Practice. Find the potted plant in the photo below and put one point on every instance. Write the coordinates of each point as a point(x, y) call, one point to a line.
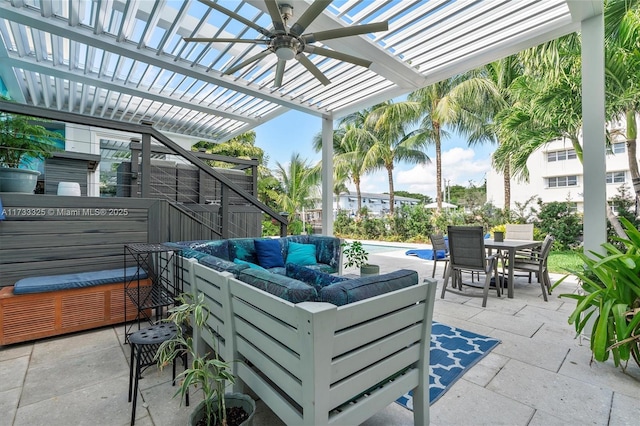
point(22, 141)
point(206, 372)
point(357, 256)
point(609, 302)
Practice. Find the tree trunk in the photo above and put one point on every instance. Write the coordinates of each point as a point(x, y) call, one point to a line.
point(356, 182)
point(632, 136)
point(391, 195)
point(506, 175)
point(436, 132)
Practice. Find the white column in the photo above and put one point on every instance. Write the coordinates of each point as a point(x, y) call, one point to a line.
point(593, 133)
point(327, 175)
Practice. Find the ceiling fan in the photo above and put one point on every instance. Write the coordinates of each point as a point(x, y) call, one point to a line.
point(289, 42)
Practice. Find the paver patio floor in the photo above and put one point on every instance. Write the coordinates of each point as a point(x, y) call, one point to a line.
point(539, 375)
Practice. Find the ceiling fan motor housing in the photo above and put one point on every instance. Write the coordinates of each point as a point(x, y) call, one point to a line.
point(286, 47)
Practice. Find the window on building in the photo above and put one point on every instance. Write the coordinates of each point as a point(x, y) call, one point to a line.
point(616, 177)
point(573, 207)
point(565, 154)
point(617, 148)
point(562, 181)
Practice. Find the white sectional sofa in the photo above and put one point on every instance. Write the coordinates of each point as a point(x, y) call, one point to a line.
point(315, 363)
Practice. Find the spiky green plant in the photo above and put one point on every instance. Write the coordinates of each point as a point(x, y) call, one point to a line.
point(610, 299)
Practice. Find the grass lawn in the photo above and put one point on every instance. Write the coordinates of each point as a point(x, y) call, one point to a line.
point(560, 261)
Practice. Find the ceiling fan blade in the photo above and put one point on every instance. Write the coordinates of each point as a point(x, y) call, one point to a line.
point(312, 69)
point(346, 31)
point(308, 16)
point(226, 40)
point(237, 17)
point(279, 72)
point(338, 55)
point(276, 16)
point(244, 63)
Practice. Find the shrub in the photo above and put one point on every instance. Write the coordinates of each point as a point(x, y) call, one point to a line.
point(557, 219)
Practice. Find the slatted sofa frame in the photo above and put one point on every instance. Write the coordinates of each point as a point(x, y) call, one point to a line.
point(316, 363)
point(25, 317)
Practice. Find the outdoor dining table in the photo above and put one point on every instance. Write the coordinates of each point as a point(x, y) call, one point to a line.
point(510, 246)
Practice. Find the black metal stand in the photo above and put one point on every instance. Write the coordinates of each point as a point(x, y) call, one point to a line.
point(144, 345)
point(162, 267)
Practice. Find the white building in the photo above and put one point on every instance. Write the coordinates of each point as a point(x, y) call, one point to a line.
point(377, 204)
point(556, 174)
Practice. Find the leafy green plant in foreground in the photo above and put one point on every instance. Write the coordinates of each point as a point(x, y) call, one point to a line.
point(207, 373)
point(610, 299)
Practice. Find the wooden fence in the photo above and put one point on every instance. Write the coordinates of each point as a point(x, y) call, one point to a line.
point(50, 234)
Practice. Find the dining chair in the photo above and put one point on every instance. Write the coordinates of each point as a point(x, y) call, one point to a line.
point(517, 231)
point(438, 244)
point(467, 254)
point(537, 264)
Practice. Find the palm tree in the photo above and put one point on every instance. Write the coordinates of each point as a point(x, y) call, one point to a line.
point(546, 104)
point(300, 182)
point(351, 142)
point(393, 140)
point(622, 32)
point(440, 106)
point(482, 96)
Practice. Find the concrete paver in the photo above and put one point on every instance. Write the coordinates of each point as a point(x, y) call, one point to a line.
point(538, 375)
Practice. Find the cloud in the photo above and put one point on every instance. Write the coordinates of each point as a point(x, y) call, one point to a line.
point(459, 165)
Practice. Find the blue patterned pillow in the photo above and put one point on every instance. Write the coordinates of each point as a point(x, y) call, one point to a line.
point(301, 254)
point(269, 253)
point(249, 264)
point(243, 249)
point(315, 278)
point(327, 250)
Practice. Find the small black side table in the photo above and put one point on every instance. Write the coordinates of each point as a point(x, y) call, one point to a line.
point(161, 262)
point(144, 345)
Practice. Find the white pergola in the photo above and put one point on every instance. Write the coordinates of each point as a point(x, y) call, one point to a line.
point(126, 60)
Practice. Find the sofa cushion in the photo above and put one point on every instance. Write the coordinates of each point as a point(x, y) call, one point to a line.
point(321, 267)
point(286, 288)
point(243, 249)
point(269, 252)
point(301, 254)
point(327, 250)
point(77, 280)
point(364, 287)
point(192, 254)
point(222, 265)
point(218, 248)
point(315, 278)
point(249, 264)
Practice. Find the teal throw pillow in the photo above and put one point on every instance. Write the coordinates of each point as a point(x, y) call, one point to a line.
point(269, 253)
point(301, 254)
point(249, 264)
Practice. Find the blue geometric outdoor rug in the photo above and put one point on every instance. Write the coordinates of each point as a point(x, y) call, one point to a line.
point(453, 351)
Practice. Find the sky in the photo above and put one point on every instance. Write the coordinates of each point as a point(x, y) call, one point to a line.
point(293, 132)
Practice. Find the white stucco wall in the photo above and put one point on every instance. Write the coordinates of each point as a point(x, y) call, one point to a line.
point(540, 169)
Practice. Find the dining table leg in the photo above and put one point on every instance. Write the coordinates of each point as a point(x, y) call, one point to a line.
point(512, 259)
